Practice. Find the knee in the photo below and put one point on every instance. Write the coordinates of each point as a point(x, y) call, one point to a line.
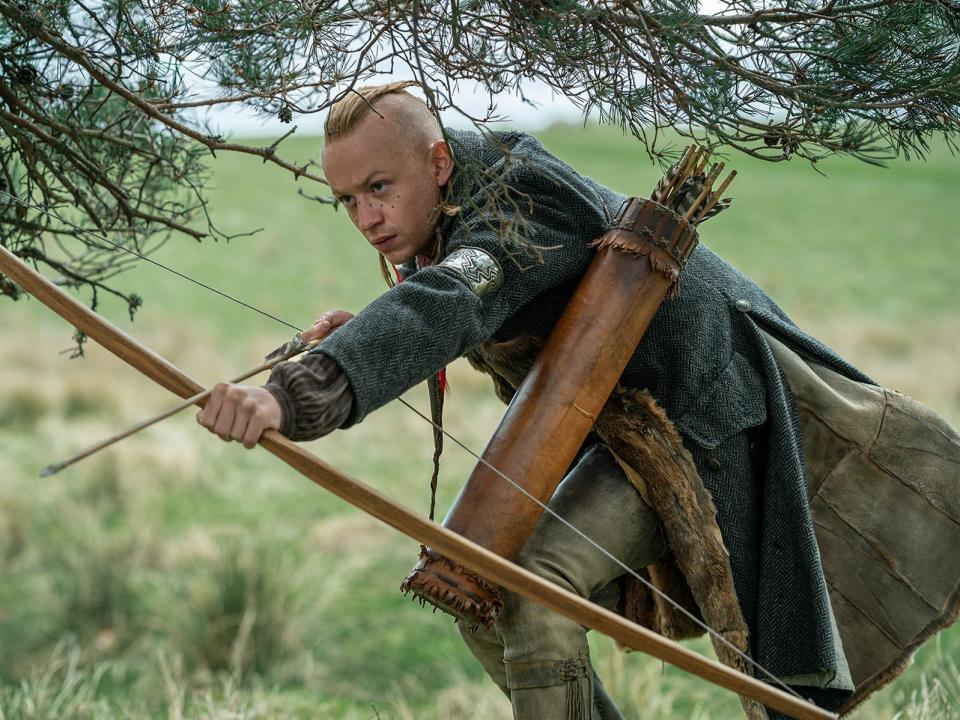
point(486, 647)
point(554, 568)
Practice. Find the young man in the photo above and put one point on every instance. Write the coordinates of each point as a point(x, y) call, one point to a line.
point(491, 252)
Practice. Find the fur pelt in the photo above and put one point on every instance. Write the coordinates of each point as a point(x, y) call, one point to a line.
point(694, 578)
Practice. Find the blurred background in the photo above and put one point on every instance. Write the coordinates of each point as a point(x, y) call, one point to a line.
point(179, 576)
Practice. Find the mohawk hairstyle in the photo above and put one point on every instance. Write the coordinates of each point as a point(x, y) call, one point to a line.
point(346, 113)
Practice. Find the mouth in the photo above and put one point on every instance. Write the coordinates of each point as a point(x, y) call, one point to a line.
point(382, 241)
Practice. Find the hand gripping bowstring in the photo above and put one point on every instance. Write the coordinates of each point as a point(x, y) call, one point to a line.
point(788, 697)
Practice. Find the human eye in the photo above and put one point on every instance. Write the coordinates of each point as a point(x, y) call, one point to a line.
point(379, 186)
point(346, 200)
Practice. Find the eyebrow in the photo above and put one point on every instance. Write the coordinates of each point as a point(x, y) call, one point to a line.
point(365, 181)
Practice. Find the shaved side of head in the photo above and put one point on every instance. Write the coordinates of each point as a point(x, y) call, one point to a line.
point(415, 125)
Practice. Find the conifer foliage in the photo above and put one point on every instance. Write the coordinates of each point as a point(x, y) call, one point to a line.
point(102, 138)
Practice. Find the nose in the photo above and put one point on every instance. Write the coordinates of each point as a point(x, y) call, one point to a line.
point(369, 215)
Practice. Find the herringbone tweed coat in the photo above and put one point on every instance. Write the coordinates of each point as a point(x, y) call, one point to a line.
point(704, 360)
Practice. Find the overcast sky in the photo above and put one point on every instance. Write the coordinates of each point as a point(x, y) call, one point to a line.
point(549, 109)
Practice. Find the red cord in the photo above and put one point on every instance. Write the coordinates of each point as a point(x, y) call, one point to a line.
point(442, 372)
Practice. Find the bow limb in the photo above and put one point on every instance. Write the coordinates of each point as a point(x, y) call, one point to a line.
point(454, 546)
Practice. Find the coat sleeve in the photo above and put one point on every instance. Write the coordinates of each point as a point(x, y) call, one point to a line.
point(437, 314)
point(440, 312)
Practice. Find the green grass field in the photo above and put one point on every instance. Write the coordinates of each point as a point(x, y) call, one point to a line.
point(177, 576)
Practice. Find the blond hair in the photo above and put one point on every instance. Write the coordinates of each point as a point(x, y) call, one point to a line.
point(346, 113)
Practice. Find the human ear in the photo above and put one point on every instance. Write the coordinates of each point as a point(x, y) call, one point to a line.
point(441, 162)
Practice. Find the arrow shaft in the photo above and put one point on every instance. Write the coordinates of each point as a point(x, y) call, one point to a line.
point(197, 399)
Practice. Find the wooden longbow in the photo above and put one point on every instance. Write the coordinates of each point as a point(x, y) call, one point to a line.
point(473, 556)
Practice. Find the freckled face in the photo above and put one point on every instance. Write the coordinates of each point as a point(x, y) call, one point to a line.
point(390, 189)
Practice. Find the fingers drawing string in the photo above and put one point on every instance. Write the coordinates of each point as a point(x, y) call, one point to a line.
point(593, 543)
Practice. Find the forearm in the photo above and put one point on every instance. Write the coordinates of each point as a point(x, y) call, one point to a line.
point(405, 336)
point(314, 396)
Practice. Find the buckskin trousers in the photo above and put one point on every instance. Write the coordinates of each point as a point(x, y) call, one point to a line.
point(540, 659)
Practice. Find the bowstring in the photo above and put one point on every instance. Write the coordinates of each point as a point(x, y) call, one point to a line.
point(593, 543)
point(148, 259)
point(606, 553)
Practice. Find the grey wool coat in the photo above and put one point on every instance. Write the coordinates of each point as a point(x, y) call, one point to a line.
point(704, 359)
